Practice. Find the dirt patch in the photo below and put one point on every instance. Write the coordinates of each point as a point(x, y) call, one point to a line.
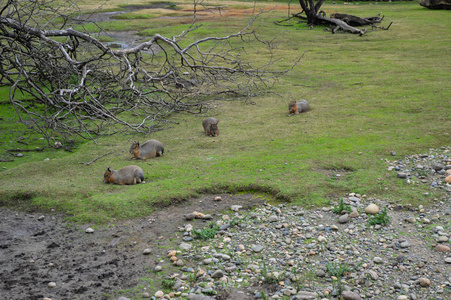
point(39, 249)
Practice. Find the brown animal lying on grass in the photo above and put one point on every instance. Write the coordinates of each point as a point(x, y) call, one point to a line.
point(149, 149)
point(298, 107)
point(211, 126)
point(127, 175)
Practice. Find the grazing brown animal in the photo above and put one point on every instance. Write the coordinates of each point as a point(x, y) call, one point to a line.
point(127, 175)
point(298, 107)
point(211, 126)
point(149, 149)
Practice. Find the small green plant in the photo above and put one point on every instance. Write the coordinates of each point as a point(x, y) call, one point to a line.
point(422, 173)
point(264, 297)
point(172, 5)
point(337, 269)
point(167, 283)
point(341, 206)
point(235, 221)
point(191, 277)
point(206, 232)
point(269, 277)
point(381, 218)
point(209, 292)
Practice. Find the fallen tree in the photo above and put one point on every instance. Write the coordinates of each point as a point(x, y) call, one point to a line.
point(63, 81)
point(315, 16)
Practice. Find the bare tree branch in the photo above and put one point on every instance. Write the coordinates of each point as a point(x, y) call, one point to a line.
point(92, 161)
point(74, 85)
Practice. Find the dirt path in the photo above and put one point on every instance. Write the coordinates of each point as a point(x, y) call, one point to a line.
point(37, 249)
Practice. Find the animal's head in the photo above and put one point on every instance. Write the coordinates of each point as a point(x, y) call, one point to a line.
point(134, 147)
point(293, 107)
point(108, 174)
point(214, 130)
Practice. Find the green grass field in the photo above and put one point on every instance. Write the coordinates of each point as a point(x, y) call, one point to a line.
point(370, 95)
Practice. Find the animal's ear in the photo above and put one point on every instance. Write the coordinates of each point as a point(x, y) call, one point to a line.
point(217, 122)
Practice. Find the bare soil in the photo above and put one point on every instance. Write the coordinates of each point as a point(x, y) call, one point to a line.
point(37, 249)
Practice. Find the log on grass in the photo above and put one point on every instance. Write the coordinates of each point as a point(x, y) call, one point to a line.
point(341, 24)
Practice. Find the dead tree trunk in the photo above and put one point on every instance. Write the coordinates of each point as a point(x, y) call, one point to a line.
point(311, 10)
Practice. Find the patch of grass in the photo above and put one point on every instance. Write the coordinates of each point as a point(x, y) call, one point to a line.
point(361, 111)
point(337, 269)
point(168, 283)
point(206, 232)
point(105, 39)
point(341, 207)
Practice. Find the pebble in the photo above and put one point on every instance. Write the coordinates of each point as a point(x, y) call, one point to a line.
point(354, 214)
point(372, 209)
point(347, 295)
point(343, 219)
point(159, 294)
point(217, 274)
point(305, 295)
point(402, 175)
point(405, 244)
point(147, 251)
point(442, 248)
point(185, 246)
point(373, 275)
point(273, 219)
point(179, 263)
point(257, 248)
point(190, 216)
point(424, 282)
point(52, 284)
point(89, 230)
point(377, 260)
point(410, 220)
point(322, 239)
point(236, 207)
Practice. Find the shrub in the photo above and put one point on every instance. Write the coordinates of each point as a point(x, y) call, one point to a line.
point(206, 232)
point(381, 218)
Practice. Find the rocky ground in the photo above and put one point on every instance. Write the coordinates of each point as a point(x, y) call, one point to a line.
point(255, 251)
